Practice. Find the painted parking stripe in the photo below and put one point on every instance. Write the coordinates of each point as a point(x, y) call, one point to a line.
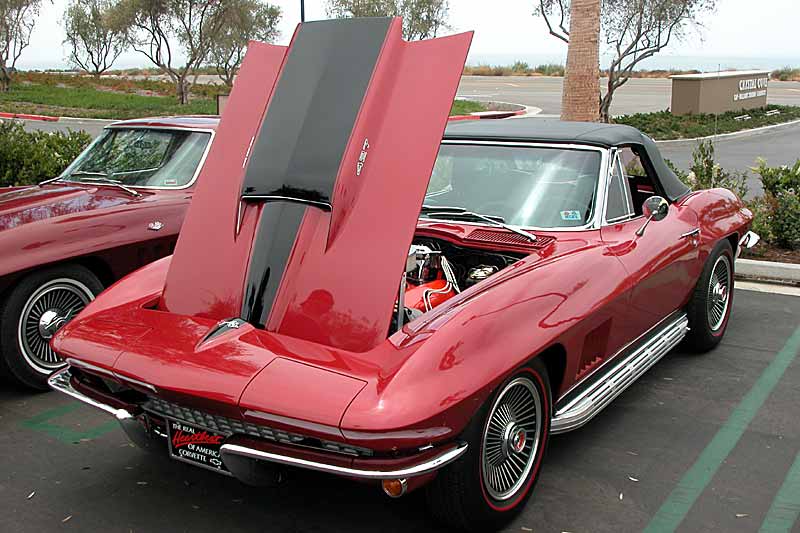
point(45, 423)
point(785, 508)
point(683, 496)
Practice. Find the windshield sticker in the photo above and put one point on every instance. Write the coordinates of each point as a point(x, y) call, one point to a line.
point(571, 215)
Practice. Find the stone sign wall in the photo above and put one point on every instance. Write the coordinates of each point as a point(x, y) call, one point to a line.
point(718, 92)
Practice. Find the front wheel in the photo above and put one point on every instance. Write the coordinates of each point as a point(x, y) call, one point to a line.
point(35, 309)
point(489, 486)
point(710, 306)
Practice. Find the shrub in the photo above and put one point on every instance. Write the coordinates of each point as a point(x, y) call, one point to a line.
point(786, 74)
point(707, 174)
point(550, 69)
point(782, 203)
point(520, 67)
point(778, 179)
point(786, 220)
point(30, 157)
point(763, 208)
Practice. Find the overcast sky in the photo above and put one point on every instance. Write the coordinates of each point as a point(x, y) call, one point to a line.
point(507, 29)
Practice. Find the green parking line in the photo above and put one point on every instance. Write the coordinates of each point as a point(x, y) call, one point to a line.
point(683, 496)
point(43, 422)
point(785, 508)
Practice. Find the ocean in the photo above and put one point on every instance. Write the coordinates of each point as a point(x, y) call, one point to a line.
point(658, 62)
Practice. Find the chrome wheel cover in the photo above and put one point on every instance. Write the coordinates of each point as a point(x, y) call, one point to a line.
point(719, 293)
point(47, 310)
point(510, 441)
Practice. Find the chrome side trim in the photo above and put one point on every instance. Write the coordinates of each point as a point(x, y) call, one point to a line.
point(426, 467)
point(60, 381)
point(620, 376)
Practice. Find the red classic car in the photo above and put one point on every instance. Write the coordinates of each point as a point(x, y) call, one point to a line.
point(117, 207)
point(344, 300)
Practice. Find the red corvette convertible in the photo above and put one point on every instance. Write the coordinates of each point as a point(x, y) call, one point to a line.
point(117, 207)
point(344, 300)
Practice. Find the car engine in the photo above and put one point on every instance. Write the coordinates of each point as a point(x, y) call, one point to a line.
point(437, 270)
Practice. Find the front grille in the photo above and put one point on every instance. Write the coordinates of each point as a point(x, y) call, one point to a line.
point(231, 426)
point(514, 239)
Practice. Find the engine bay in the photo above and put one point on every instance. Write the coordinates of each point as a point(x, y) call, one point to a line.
point(437, 270)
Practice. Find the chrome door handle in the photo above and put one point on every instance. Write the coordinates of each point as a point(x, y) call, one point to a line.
point(693, 233)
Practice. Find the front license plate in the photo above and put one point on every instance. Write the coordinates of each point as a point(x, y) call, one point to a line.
point(196, 446)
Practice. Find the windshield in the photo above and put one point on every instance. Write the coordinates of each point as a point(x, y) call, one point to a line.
point(141, 158)
point(540, 187)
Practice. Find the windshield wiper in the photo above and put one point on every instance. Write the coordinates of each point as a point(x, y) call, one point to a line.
point(76, 173)
point(89, 173)
point(108, 181)
point(51, 180)
point(450, 212)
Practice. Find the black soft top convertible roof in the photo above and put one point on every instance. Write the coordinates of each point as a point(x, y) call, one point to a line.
point(556, 131)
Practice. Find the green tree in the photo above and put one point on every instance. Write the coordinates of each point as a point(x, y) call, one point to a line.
point(632, 31)
point(17, 19)
point(94, 44)
point(244, 20)
point(156, 27)
point(422, 19)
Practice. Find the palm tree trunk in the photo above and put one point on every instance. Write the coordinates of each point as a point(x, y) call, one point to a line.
point(580, 99)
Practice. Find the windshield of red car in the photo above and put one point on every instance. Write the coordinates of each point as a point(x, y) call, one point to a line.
point(528, 186)
point(141, 158)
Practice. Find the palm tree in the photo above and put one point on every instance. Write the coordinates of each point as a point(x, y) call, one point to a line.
point(579, 100)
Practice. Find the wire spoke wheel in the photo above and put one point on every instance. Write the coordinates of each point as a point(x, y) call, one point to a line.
point(46, 311)
point(719, 292)
point(510, 441)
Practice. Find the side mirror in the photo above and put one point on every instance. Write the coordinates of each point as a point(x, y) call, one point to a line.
point(654, 208)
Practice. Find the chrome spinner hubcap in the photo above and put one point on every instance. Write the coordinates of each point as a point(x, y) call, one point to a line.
point(511, 439)
point(50, 322)
point(719, 289)
point(46, 311)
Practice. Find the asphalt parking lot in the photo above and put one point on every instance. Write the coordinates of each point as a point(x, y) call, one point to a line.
point(701, 443)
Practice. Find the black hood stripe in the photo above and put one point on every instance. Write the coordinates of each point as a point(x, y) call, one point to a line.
point(276, 234)
point(313, 109)
point(296, 157)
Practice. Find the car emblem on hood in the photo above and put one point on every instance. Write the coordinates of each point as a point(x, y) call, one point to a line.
point(223, 327)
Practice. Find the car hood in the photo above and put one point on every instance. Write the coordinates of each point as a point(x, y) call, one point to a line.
point(33, 204)
point(308, 200)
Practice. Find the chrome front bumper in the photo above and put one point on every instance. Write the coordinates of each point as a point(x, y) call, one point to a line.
point(236, 456)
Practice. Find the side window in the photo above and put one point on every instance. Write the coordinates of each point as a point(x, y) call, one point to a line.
point(639, 180)
point(618, 202)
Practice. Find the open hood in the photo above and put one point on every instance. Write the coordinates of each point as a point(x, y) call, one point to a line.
point(309, 198)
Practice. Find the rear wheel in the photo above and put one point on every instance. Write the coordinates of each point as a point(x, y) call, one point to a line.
point(710, 306)
point(34, 310)
point(491, 483)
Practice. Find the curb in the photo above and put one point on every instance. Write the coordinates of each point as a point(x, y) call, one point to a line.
point(751, 269)
point(25, 116)
point(487, 115)
point(731, 134)
point(78, 119)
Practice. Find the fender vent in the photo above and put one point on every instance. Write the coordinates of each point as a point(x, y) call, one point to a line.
point(509, 238)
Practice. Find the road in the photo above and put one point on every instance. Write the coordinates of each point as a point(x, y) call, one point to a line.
point(639, 95)
point(703, 442)
point(779, 146)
